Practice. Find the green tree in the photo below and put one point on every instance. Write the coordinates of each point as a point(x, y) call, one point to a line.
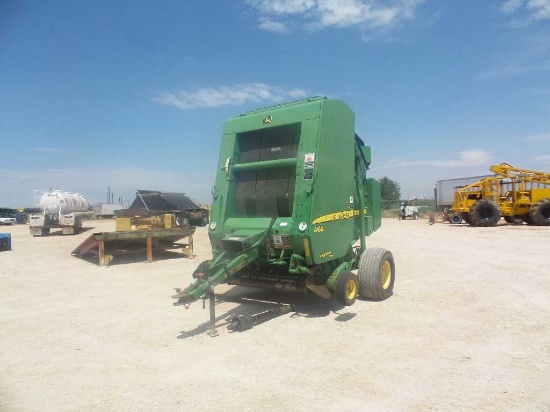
point(391, 192)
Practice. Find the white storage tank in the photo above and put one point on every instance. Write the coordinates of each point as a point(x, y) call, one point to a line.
point(59, 202)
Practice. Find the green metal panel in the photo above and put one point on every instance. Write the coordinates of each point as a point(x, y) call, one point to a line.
point(333, 197)
point(323, 196)
point(374, 203)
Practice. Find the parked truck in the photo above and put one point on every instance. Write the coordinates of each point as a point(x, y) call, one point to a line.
point(8, 216)
point(408, 210)
point(290, 202)
point(186, 210)
point(59, 210)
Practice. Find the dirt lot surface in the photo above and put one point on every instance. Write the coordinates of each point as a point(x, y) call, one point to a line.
point(468, 328)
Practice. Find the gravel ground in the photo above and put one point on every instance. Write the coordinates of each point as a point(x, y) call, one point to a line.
point(468, 328)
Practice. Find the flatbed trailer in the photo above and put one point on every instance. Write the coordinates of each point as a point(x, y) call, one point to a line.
point(106, 245)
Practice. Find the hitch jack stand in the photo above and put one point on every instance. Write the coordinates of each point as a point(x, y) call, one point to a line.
point(212, 306)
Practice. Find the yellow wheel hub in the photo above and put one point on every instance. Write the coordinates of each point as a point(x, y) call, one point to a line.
point(351, 290)
point(386, 275)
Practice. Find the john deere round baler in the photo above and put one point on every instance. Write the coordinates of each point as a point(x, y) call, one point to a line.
point(290, 201)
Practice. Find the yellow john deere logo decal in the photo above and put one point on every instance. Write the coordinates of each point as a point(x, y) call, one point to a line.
point(344, 214)
point(268, 119)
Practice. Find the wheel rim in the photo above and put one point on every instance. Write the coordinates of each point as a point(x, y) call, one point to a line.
point(351, 290)
point(386, 274)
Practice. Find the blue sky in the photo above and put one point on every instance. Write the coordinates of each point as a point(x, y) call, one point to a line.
point(133, 94)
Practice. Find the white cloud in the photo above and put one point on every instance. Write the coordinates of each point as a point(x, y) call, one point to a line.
point(531, 56)
point(468, 157)
point(539, 138)
point(320, 14)
point(283, 6)
point(50, 150)
point(511, 6)
point(228, 95)
point(273, 26)
point(533, 9)
point(516, 69)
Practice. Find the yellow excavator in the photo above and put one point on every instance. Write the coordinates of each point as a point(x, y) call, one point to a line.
point(518, 195)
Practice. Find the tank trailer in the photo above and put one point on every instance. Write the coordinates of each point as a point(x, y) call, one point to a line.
point(61, 210)
point(290, 202)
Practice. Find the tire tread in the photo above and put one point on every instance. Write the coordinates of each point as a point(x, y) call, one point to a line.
point(369, 273)
point(536, 215)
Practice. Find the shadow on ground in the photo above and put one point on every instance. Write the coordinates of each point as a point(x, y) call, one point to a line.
point(253, 301)
point(134, 256)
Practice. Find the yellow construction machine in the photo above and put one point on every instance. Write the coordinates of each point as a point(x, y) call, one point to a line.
point(518, 195)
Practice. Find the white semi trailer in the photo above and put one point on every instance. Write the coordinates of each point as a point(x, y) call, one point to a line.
point(60, 210)
point(445, 189)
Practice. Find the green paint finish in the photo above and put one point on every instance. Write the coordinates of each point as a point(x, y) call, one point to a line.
point(374, 204)
point(291, 183)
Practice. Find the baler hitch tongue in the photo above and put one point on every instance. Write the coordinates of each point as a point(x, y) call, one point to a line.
point(183, 297)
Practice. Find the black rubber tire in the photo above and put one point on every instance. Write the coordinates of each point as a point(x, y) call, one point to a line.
point(347, 288)
point(372, 282)
point(540, 212)
point(466, 217)
point(455, 218)
point(415, 216)
point(485, 213)
point(527, 219)
point(181, 221)
point(204, 221)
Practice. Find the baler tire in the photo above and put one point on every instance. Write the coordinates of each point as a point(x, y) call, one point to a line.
point(540, 212)
point(455, 218)
point(485, 213)
point(376, 274)
point(347, 288)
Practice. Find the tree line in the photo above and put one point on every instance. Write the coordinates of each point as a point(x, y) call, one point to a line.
point(391, 195)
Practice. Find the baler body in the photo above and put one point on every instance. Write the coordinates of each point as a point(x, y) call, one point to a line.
point(291, 199)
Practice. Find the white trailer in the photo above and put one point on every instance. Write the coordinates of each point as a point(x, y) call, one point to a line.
point(106, 209)
point(61, 210)
point(445, 189)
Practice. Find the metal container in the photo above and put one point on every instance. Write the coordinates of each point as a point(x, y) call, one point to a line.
point(5, 241)
point(445, 189)
point(59, 202)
